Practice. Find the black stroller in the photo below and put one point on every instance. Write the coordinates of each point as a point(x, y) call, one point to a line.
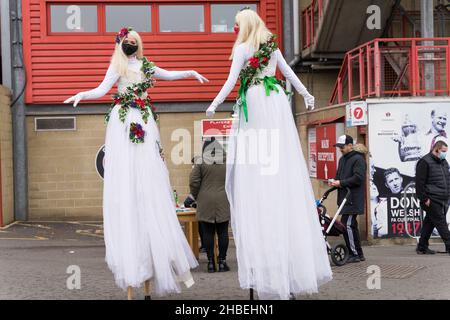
point(332, 227)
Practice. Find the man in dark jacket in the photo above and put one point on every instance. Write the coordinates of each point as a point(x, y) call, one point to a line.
point(351, 173)
point(433, 191)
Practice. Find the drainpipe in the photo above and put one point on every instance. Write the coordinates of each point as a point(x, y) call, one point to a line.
point(20, 165)
point(427, 20)
point(5, 20)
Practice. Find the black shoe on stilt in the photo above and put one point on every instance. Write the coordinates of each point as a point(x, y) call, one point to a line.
point(211, 266)
point(148, 297)
point(252, 295)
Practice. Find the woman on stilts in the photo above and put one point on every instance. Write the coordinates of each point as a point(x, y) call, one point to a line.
point(279, 243)
point(143, 238)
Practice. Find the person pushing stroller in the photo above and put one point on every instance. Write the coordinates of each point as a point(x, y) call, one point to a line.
point(351, 173)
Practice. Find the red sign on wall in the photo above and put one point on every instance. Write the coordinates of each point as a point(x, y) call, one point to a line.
point(327, 154)
point(216, 127)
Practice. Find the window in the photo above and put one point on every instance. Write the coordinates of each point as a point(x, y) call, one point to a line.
point(222, 16)
point(69, 18)
point(73, 18)
point(137, 17)
point(182, 18)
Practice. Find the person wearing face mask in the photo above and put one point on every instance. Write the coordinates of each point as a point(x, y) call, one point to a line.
point(129, 48)
point(433, 191)
point(143, 237)
point(280, 248)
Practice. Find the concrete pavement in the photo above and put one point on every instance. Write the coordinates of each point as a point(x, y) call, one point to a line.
point(34, 258)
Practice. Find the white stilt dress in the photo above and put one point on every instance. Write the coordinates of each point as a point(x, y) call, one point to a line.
point(143, 237)
point(279, 241)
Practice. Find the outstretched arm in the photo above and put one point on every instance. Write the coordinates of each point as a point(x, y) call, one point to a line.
point(290, 75)
point(239, 59)
point(110, 79)
point(175, 75)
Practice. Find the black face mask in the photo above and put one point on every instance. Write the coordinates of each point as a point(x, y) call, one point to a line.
point(129, 49)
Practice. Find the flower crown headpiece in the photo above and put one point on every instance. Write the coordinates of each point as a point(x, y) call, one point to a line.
point(122, 34)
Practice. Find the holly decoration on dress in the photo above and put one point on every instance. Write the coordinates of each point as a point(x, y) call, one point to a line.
point(132, 96)
point(256, 64)
point(259, 61)
point(137, 134)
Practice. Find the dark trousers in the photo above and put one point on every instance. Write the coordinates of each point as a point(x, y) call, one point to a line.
point(435, 218)
point(351, 235)
point(200, 232)
point(209, 229)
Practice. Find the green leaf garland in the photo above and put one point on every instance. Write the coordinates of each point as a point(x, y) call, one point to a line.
point(257, 63)
point(131, 97)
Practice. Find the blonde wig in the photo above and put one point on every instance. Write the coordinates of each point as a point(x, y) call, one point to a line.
point(252, 29)
point(119, 59)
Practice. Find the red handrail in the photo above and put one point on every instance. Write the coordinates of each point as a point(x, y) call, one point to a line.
point(393, 67)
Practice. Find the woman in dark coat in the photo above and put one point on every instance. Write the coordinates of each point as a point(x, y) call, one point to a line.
point(207, 185)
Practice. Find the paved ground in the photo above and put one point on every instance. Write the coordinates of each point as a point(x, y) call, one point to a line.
point(34, 258)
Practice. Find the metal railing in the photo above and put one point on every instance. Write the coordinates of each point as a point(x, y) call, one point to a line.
point(391, 67)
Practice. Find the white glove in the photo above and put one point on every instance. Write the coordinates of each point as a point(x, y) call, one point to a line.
point(75, 99)
point(211, 111)
point(199, 77)
point(309, 101)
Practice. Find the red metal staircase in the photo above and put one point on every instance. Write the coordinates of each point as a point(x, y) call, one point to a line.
point(393, 67)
